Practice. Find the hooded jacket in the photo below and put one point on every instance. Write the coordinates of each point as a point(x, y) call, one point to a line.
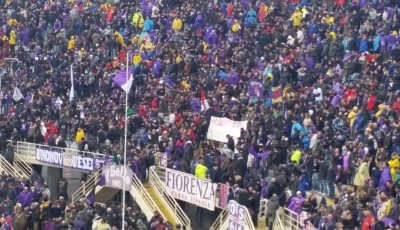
point(71, 43)
point(177, 24)
point(352, 115)
point(272, 205)
point(13, 38)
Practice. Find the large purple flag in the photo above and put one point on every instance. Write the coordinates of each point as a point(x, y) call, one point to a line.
point(120, 79)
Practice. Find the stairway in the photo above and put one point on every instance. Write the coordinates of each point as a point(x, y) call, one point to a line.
point(104, 194)
point(160, 203)
point(261, 224)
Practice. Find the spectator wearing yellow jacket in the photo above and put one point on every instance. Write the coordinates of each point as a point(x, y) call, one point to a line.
point(381, 107)
point(296, 17)
point(201, 170)
point(177, 24)
point(236, 26)
point(12, 22)
point(333, 36)
point(13, 40)
point(71, 43)
point(79, 135)
point(352, 115)
point(138, 20)
point(296, 156)
point(394, 164)
point(136, 40)
point(137, 59)
point(120, 40)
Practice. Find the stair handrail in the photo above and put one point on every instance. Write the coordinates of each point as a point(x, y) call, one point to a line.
point(146, 196)
point(290, 219)
point(166, 194)
point(224, 217)
point(248, 220)
point(86, 187)
point(22, 166)
point(9, 169)
point(278, 225)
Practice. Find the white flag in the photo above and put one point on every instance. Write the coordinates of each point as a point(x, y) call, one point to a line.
point(72, 91)
point(17, 94)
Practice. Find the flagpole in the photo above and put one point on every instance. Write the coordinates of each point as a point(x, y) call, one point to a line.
point(125, 145)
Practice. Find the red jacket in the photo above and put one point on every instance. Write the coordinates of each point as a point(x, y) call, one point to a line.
point(154, 103)
point(229, 10)
point(178, 118)
point(122, 55)
point(350, 95)
point(367, 223)
point(143, 110)
point(53, 129)
point(371, 102)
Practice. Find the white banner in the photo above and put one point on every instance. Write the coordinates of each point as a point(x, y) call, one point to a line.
point(186, 187)
point(220, 127)
point(236, 216)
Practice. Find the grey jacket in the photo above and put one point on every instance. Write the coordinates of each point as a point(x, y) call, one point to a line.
point(272, 206)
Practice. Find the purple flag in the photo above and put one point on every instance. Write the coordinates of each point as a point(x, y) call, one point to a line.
point(120, 79)
point(258, 155)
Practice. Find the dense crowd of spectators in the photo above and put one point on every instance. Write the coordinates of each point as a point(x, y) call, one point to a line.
point(336, 124)
point(26, 205)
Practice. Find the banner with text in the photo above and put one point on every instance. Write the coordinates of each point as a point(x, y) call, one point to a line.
point(223, 195)
point(115, 176)
point(57, 157)
point(220, 127)
point(191, 189)
point(162, 159)
point(236, 216)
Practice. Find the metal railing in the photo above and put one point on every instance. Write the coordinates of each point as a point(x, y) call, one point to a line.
point(166, 195)
point(248, 221)
point(26, 148)
point(86, 187)
point(9, 169)
point(149, 206)
point(290, 219)
point(21, 166)
point(278, 225)
point(222, 221)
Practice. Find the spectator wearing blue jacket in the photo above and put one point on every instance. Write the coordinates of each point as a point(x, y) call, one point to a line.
point(363, 44)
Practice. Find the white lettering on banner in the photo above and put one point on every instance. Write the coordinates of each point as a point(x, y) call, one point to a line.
point(115, 176)
point(81, 162)
point(49, 156)
point(191, 189)
point(220, 127)
point(236, 216)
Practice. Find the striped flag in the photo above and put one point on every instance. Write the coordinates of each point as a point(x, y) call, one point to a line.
point(286, 90)
point(276, 94)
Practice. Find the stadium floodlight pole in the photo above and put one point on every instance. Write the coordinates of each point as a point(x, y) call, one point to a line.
point(125, 146)
point(1, 79)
